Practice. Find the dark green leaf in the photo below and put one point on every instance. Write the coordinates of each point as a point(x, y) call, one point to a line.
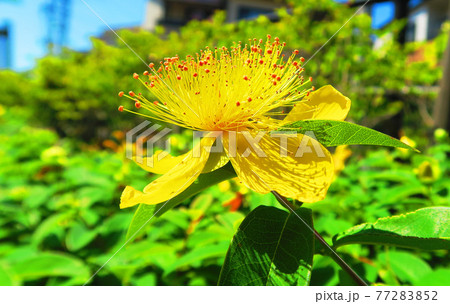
point(332, 133)
point(426, 228)
point(145, 212)
point(271, 247)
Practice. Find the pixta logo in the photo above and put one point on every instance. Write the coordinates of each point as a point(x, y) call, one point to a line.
point(141, 141)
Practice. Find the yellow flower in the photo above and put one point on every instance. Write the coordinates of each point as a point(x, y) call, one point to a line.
point(239, 93)
point(339, 157)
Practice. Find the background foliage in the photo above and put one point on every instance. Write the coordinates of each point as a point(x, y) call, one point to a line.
point(62, 166)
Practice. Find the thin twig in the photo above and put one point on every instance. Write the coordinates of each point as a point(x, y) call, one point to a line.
point(333, 254)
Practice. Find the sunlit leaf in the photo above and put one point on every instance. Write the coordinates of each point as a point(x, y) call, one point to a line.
point(439, 277)
point(332, 133)
point(426, 229)
point(52, 265)
point(406, 266)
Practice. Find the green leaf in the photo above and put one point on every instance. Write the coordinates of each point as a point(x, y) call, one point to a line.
point(79, 236)
point(439, 277)
point(141, 217)
point(145, 212)
point(271, 247)
point(6, 278)
point(332, 133)
point(52, 225)
point(195, 257)
point(51, 265)
point(406, 266)
point(426, 229)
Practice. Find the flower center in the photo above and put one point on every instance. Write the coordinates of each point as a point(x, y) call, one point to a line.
point(223, 89)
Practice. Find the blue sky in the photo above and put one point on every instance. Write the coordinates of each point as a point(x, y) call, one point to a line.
point(28, 24)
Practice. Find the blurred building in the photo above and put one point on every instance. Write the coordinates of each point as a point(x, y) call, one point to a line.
point(5, 46)
point(176, 13)
point(29, 29)
point(424, 17)
point(57, 13)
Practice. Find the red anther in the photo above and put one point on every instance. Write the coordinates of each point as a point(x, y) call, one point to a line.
point(296, 52)
point(269, 51)
point(284, 43)
point(274, 75)
point(151, 65)
point(302, 59)
point(295, 63)
point(121, 94)
point(245, 77)
point(152, 84)
point(249, 99)
point(165, 103)
point(278, 78)
point(274, 83)
point(166, 63)
point(261, 61)
point(277, 39)
point(206, 70)
point(275, 65)
point(195, 74)
point(260, 41)
point(131, 93)
point(307, 94)
point(208, 58)
point(238, 103)
point(185, 68)
point(137, 104)
point(178, 77)
point(120, 109)
point(310, 78)
point(200, 63)
point(268, 37)
point(135, 76)
point(159, 70)
point(313, 88)
point(155, 102)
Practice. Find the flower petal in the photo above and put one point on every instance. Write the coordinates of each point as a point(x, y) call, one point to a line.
point(302, 170)
point(175, 181)
point(160, 162)
point(215, 161)
point(325, 103)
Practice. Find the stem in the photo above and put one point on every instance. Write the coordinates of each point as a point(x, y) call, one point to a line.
point(333, 254)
